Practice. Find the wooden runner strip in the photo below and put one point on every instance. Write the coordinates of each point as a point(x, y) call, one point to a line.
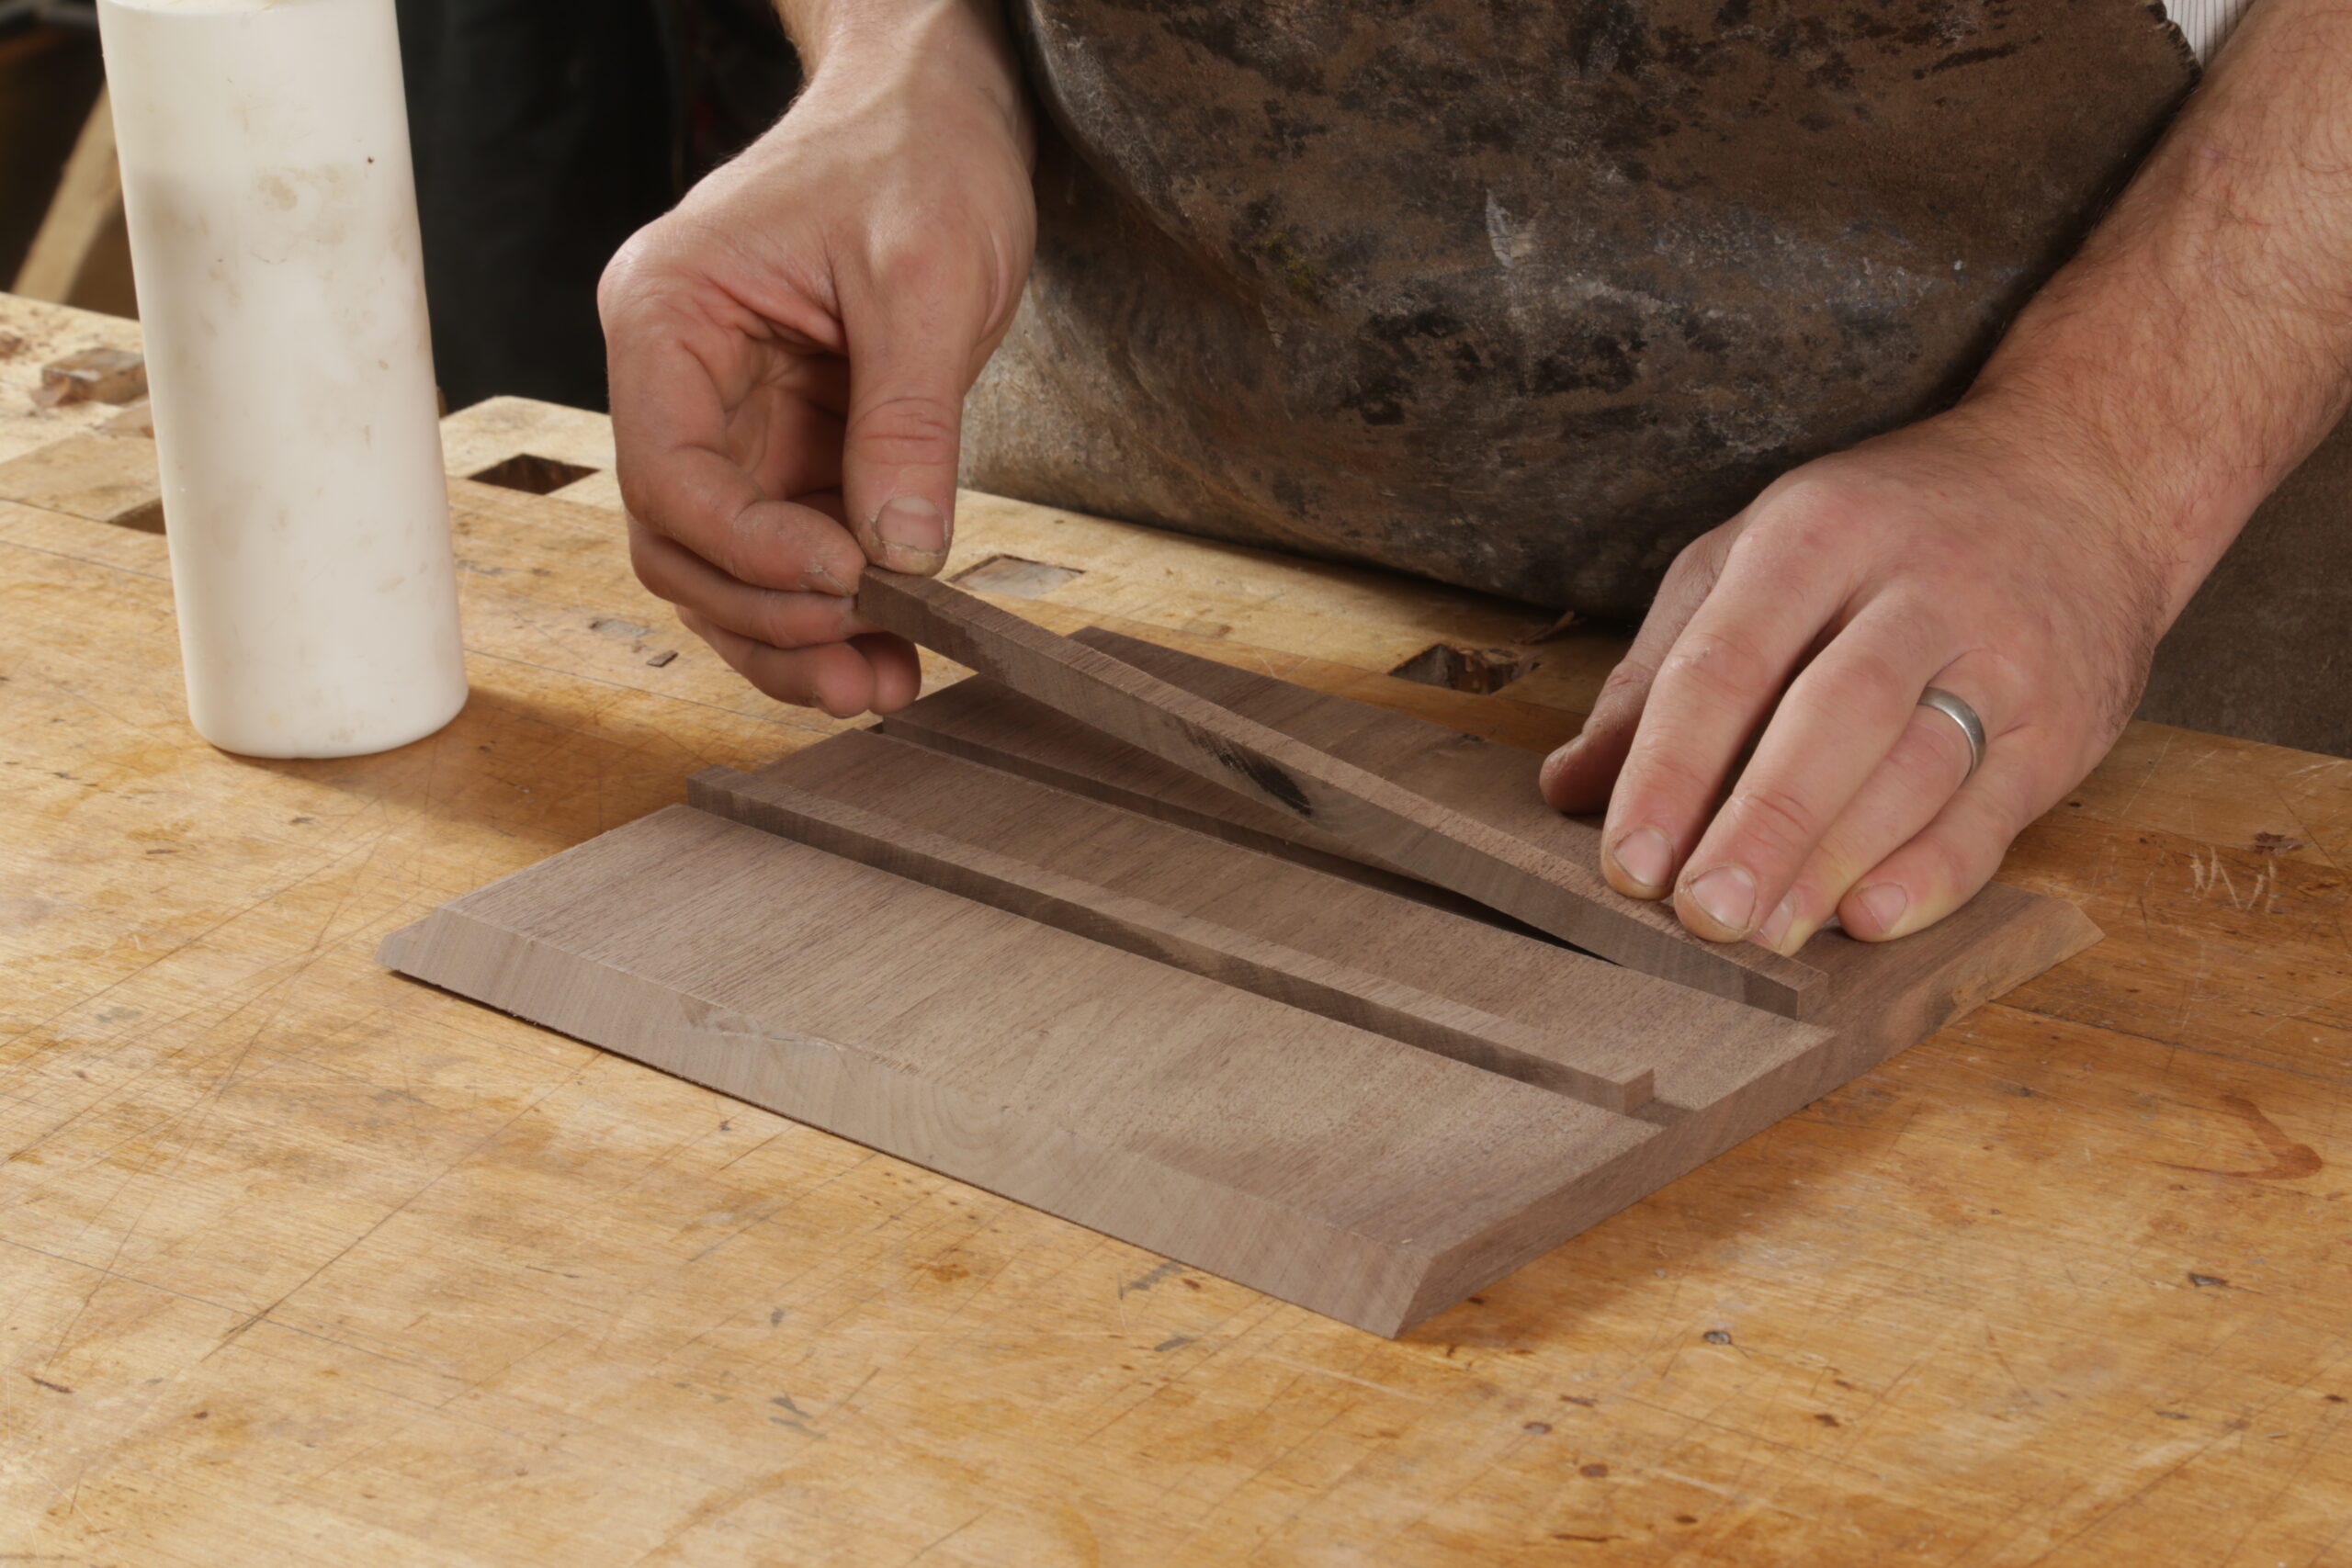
point(1550, 884)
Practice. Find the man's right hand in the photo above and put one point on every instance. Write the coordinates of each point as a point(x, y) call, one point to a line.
point(790, 347)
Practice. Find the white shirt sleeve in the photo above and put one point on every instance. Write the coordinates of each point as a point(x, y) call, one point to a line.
point(2206, 22)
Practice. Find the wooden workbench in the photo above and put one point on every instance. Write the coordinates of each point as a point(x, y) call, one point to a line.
point(302, 1263)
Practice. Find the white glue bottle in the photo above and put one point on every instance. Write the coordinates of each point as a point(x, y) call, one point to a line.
point(272, 213)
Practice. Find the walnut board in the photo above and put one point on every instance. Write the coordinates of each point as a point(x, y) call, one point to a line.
point(1289, 1072)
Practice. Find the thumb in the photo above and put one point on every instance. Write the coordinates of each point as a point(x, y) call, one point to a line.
point(910, 363)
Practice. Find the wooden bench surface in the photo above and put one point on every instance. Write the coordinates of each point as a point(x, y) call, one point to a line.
point(300, 1262)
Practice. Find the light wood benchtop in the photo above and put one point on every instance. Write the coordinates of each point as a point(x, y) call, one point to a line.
point(303, 1263)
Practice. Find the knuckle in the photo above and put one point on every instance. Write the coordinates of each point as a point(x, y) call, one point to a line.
point(1810, 514)
point(749, 550)
point(1624, 684)
point(1716, 663)
point(626, 278)
point(717, 548)
point(1701, 561)
point(650, 564)
point(919, 266)
point(1659, 776)
point(639, 502)
point(791, 620)
point(1864, 681)
point(1942, 867)
point(1934, 756)
point(2001, 682)
point(910, 427)
point(1778, 819)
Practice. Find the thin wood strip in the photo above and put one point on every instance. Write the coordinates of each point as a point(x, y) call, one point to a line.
point(1207, 947)
point(1523, 879)
point(970, 719)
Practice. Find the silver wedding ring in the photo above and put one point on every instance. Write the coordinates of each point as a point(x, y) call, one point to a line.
point(1961, 714)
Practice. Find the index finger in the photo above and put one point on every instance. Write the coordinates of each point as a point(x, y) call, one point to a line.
point(1710, 696)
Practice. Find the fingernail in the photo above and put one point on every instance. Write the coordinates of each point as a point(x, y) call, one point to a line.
point(911, 524)
point(1885, 902)
point(822, 582)
point(1646, 855)
point(1728, 893)
point(1776, 929)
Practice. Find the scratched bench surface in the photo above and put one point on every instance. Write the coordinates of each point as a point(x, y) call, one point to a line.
point(300, 1262)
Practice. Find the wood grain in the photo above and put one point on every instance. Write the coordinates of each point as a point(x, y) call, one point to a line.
point(1319, 1163)
point(1507, 1003)
point(1543, 882)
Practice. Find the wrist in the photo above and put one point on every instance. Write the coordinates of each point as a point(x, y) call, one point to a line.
point(2111, 450)
point(915, 50)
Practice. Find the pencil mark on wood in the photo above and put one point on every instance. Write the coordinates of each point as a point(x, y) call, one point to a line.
point(1147, 1280)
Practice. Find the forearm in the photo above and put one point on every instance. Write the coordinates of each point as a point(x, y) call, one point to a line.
point(2201, 344)
point(879, 41)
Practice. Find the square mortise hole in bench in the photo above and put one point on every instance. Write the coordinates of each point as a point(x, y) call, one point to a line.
point(1016, 578)
point(1479, 670)
point(531, 474)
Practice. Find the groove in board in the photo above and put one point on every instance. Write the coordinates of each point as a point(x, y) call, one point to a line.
point(1497, 1000)
point(1320, 1163)
point(1217, 1126)
point(1537, 876)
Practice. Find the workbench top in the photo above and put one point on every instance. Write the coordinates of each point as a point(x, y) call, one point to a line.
point(304, 1263)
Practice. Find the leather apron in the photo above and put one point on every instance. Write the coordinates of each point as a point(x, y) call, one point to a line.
point(1523, 297)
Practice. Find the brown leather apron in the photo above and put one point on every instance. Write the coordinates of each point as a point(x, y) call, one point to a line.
point(1522, 296)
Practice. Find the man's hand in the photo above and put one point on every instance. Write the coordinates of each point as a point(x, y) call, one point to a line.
point(1971, 552)
point(790, 348)
point(2024, 551)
